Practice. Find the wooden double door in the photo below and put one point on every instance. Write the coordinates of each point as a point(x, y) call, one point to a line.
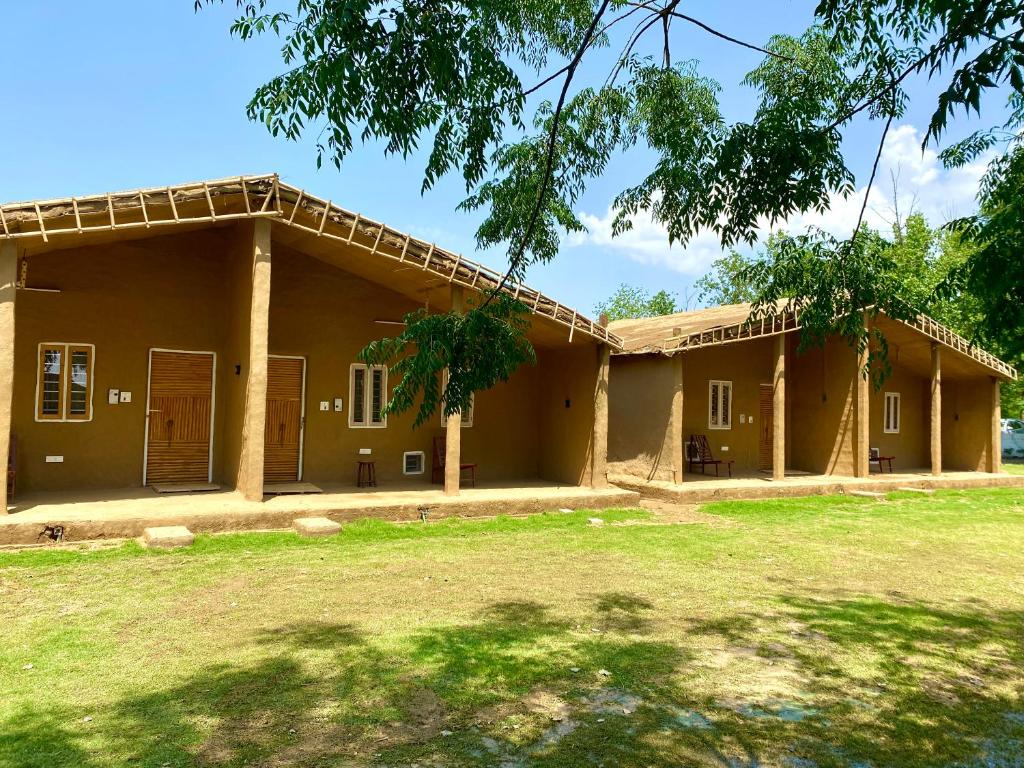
point(180, 417)
point(285, 420)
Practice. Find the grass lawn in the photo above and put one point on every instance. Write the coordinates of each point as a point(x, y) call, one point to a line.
point(815, 632)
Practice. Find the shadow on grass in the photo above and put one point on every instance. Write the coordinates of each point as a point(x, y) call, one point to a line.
point(874, 682)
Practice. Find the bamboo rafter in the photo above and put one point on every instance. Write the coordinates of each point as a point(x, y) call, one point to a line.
point(788, 321)
point(243, 197)
point(158, 206)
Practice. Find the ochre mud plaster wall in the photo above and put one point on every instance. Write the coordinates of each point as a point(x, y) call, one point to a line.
point(238, 255)
point(820, 385)
point(568, 376)
point(910, 445)
point(640, 416)
point(966, 423)
point(747, 365)
point(124, 298)
point(327, 315)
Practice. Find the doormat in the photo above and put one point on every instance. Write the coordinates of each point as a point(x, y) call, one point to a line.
point(184, 487)
point(281, 489)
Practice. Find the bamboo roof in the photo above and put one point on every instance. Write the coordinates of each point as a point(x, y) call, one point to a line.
point(266, 196)
point(732, 323)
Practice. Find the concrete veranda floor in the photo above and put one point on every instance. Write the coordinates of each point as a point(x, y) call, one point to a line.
point(697, 488)
point(124, 513)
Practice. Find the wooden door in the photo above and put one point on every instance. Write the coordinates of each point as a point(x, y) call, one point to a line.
point(282, 439)
point(179, 417)
point(767, 439)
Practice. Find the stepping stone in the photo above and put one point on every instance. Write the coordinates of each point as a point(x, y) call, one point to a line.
point(908, 489)
point(868, 494)
point(167, 536)
point(315, 526)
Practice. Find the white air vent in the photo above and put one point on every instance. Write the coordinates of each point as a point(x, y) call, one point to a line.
point(412, 463)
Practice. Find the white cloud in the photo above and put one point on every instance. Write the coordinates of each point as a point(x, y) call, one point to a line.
point(921, 184)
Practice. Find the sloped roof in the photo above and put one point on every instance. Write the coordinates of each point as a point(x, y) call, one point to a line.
point(727, 324)
point(266, 196)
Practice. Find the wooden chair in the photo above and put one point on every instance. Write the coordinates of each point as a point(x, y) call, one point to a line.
point(875, 457)
point(440, 456)
point(12, 467)
point(700, 453)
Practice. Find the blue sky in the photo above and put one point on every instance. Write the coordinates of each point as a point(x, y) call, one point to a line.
point(117, 94)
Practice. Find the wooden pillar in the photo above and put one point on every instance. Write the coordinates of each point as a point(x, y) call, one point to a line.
point(995, 449)
point(936, 410)
point(862, 428)
point(779, 410)
point(250, 465)
point(453, 425)
point(599, 455)
point(8, 290)
point(676, 420)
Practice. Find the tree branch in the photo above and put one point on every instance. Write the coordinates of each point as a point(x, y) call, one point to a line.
point(730, 38)
point(570, 72)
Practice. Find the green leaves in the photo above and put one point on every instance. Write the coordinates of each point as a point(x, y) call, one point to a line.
point(632, 302)
point(447, 77)
point(994, 273)
point(477, 349)
point(836, 287)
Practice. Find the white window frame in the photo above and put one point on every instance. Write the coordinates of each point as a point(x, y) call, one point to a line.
point(467, 421)
point(888, 425)
point(367, 396)
point(721, 423)
point(423, 462)
point(65, 394)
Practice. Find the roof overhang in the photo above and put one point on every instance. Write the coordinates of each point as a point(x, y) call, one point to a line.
point(673, 339)
point(61, 223)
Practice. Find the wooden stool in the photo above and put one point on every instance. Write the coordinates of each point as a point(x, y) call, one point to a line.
point(367, 475)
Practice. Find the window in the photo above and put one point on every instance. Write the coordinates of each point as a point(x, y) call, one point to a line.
point(64, 382)
point(412, 463)
point(467, 418)
point(719, 405)
point(891, 423)
point(366, 396)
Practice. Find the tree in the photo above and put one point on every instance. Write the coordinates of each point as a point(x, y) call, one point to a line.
point(462, 77)
point(632, 302)
point(727, 282)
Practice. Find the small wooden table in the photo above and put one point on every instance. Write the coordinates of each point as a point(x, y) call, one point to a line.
point(879, 459)
point(366, 475)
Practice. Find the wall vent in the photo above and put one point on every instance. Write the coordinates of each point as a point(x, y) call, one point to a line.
point(412, 463)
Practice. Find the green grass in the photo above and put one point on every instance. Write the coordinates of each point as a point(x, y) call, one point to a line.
point(1015, 467)
point(806, 632)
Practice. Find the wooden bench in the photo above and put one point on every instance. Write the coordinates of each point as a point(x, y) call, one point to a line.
point(700, 453)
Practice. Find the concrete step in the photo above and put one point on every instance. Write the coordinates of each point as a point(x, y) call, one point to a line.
point(315, 526)
point(867, 494)
point(167, 536)
point(908, 489)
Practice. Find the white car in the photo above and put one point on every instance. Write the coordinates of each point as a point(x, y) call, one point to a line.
point(1013, 438)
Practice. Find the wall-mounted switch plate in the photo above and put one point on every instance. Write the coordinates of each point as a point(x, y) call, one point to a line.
point(337, 405)
point(725, 448)
point(324, 405)
point(113, 396)
point(54, 459)
point(126, 397)
point(743, 419)
point(365, 451)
